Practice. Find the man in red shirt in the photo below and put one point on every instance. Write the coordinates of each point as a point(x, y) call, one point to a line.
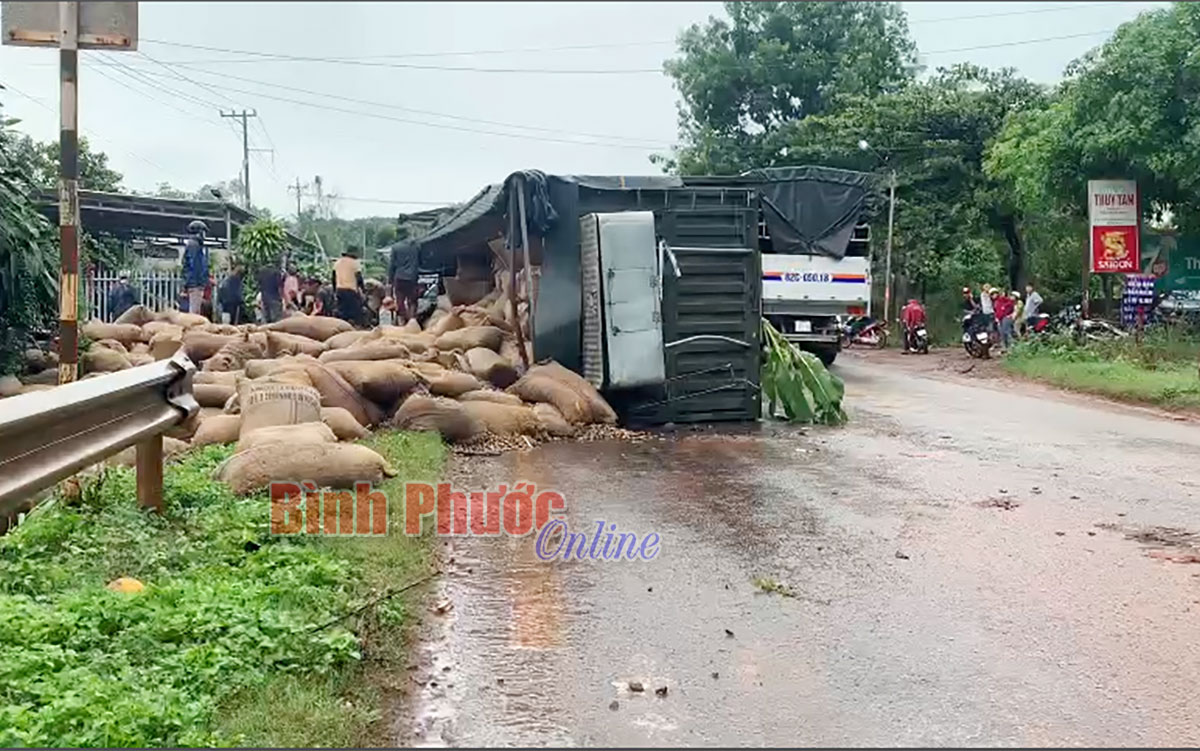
point(1004, 307)
point(912, 315)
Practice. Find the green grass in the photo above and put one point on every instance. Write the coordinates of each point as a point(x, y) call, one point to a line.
point(224, 646)
point(1158, 373)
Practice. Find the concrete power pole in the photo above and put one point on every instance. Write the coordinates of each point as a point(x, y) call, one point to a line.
point(299, 192)
point(68, 194)
point(243, 115)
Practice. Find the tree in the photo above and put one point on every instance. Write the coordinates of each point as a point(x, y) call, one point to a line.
point(42, 159)
point(1127, 109)
point(28, 252)
point(773, 63)
point(934, 134)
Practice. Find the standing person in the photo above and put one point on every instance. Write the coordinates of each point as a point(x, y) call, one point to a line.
point(270, 286)
point(1018, 315)
point(403, 271)
point(195, 266)
point(348, 286)
point(291, 288)
point(230, 295)
point(1033, 305)
point(912, 315)
point(1004, 307)
point(387, 312)
point(985, 300)
point(122, 297)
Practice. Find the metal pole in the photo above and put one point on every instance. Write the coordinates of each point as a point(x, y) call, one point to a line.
point(149, 462)
point(68, 193)
point(887, 284)
point(246, 159)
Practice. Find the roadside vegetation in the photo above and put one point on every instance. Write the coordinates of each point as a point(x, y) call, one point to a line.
point(1160, 369)
point(238, 637)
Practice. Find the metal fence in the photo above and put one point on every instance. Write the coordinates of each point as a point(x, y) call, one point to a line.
point(157, 289)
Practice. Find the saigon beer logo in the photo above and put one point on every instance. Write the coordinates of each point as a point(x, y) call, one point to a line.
point(1115, 247)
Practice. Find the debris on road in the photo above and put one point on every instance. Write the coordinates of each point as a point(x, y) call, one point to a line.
point(771, 586)
point(728, 634)
point(902, 556)
point(1004, 504)
point(614, 705)
point(636, 687)
point(660, 692)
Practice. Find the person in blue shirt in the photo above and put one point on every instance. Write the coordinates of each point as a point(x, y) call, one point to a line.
point(122, 297)
point(195, 266)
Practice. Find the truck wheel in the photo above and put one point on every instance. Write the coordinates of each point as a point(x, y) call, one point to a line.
point(826, 354)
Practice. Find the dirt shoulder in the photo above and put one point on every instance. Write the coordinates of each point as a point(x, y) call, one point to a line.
point(954, 364)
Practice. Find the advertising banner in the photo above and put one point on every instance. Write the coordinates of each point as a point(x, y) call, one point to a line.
point(1114, 214)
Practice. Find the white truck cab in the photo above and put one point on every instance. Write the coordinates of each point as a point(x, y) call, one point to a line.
point(805, 296)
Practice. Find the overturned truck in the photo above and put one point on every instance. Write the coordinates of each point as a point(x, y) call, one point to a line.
point(652, 287)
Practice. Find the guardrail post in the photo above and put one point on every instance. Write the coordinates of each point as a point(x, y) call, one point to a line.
point(150, 473)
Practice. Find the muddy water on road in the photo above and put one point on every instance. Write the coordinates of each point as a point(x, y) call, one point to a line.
point(935, 601)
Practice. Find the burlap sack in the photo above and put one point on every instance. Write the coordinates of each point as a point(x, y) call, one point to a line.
point(266, 404)
point(140, 358)
point(328, 465)
point(221, 328)
point(260, 367)
point(450, 383)
point(37, 360)
point(314, 327)
point(281, 343)
point(380, 349)
point(154, 328)
point(289, 435)
point(212, 394)
point(345, 339)
point(32, 388)
point(444, 416)
point(200, 345)
point(125, 333)
point(495, 397)
point(412, 326)
point(183, 320)
point(542, 388)
point(217, 429)
point(491, 367)
point(504, 419)
point(114, 345)
point(137, 315)
point(336, 392)
point(343, 424)
point(104, 360)
point(489, 337)
point(48, 377)
point(235, 354)
point(415, 342)
point(600, 410)
point(225, 377)
point(441, 325)
point(10, 385)
point(381, 381)
point(552, 421)
point(141, 348)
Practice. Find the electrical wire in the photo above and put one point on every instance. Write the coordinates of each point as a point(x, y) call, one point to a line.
point(637, 141)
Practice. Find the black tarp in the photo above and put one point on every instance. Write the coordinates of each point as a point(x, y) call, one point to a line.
point(812, 209)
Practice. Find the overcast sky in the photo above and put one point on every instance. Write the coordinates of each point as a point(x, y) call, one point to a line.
point(160, 123)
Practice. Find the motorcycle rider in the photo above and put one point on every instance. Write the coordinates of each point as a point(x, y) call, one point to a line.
point(912, 315)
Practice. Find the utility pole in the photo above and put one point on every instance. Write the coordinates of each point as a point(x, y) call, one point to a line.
point(243, 115)
point(68, 193)
point(887, 288)
point(320, 198)
point(299, 192)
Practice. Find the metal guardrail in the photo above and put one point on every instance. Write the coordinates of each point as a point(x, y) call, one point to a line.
point(47, 436)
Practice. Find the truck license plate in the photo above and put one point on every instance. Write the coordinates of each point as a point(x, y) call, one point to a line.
point(802, 327)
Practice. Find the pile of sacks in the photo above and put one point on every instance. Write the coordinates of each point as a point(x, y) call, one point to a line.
point(310, 383)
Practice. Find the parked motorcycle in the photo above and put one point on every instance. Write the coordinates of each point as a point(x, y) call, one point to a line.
point(866, 331)
point(977, 335)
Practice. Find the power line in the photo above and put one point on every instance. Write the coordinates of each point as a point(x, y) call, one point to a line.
point(441, 126)
point(1019, 43)
point(386, 105)
point(1070, 6)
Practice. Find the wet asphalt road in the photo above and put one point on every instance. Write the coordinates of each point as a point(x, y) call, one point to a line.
point(924, 612)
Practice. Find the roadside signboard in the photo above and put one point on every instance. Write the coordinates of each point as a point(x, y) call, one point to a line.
point(1114, 214)
point(1173, 259)
point(102, 25)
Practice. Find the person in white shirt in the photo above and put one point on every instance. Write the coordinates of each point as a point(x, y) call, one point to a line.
point(985, 300)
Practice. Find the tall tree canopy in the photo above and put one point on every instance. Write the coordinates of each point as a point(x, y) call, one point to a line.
point(1129, 109)
point(775, 62)
point(42, 159)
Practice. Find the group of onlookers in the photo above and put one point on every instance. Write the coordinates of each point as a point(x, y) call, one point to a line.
point(1010, 314)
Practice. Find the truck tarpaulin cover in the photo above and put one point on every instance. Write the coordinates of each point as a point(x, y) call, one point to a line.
point(812, 209)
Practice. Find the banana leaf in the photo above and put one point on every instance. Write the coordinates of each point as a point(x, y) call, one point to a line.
point(799, 384)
